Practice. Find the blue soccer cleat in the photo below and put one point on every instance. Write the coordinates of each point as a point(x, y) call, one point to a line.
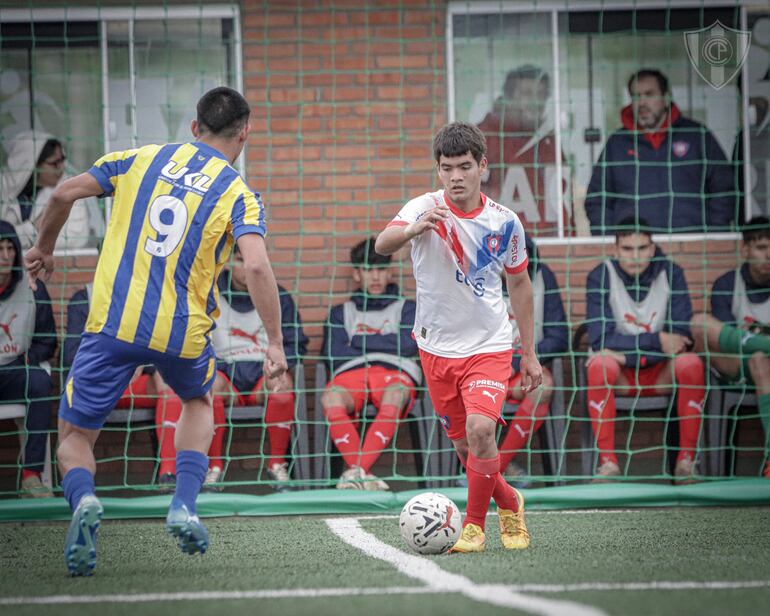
point(80, 546)
point(192, 536)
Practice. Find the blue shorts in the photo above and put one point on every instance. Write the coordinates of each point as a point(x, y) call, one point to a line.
point(103, 368)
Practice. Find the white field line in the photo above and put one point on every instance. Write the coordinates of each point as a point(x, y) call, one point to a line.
point(311, 593)
point(433, 576)
point(288, 593)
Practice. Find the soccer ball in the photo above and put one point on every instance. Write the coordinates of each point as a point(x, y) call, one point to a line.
point(430, 523)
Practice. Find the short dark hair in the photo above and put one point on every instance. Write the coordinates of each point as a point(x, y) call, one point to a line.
point(632, 225)
point(459, 138)
point(526, 71)
point(364, 255)
point(758, 228)
point(222, 112)
point(650, 72)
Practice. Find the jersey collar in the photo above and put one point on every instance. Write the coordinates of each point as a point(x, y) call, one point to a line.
point(207, 149)
point(459, 213)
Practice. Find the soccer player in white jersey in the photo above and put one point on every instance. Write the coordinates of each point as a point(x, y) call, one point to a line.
point(737, 332)
point(461, 243)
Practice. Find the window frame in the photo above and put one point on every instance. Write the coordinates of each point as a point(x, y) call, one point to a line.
point(556, 8)
point(101, 16)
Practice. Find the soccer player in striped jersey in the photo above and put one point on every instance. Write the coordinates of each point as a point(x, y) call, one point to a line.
point(177, 209)
point(461, 243)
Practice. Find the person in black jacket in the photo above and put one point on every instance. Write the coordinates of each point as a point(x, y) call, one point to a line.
point(662, 167)
point(27, 342)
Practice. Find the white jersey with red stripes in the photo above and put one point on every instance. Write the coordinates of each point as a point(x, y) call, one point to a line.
point(460, 306)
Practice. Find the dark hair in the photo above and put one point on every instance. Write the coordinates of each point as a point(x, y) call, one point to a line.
point(48, 149)
point(526, 71)
point(223, 112)
point(650, 72)
point(363, 254)
point(758, 228)
point(632, 225)
point(459, 138)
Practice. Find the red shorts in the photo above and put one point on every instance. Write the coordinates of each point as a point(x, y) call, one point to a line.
point(368, 384)
point(244, 398)
point(464, 386)
point(643, 380)
point(136, 396)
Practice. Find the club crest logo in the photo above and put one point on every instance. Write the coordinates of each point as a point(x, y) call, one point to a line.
point(680, 148)
point(717, 52)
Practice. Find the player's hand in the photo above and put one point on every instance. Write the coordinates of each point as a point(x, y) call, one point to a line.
point(37, 264)
point(531, 372)
point(674, 344)
point(430, 220)
point(275, 361)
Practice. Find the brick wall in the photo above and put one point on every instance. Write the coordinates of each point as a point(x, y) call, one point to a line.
point(345, 103)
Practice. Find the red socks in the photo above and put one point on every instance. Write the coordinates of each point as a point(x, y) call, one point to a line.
point(168, 409)
point(279, 416)
point(524, 424)
point(691, 390)
point(220, 425)
point(602, 374)
point(482, 477)
point(379, 434)
point(343, 434)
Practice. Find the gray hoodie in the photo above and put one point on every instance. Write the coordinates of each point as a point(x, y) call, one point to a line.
point(23, 153)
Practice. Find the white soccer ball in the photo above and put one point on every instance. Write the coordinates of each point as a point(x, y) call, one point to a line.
point(430, 523)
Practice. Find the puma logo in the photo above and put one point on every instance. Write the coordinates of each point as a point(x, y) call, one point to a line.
point(6, 327)
point(696, 405)
point(283, 426)
point(599, 406)
point(448, 522)
point(239, 333)
point(490, 395)
point(345, 438)
point(647, 327)
point(382, 437)
point(169, 424)
point(521, 430)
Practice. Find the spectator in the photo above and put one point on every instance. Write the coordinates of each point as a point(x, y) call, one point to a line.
point(737, 333)
point(28, 335)
point(660, 166)
point(144, 389)
point(551, 340)
point(371, 353)
point(639, 311)
point(35, 166)
point(521, 151)
point(240, 341)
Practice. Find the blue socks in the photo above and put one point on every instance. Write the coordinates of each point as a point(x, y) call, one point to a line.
point(77, 483)
point(191, 468)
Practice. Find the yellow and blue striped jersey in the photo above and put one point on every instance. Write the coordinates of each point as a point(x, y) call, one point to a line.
point(176, 212)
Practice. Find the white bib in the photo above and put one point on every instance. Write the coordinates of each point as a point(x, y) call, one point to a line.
point(17, 322)
point(645, 317)
point(239, 336)
point(745, 311)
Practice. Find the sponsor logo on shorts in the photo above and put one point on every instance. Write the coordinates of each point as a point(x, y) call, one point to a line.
point(486, 383)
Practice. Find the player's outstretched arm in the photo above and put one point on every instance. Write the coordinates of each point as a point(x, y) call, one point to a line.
point(39, 258)
point(522, 304)
point(263, 291)
point(393, 238)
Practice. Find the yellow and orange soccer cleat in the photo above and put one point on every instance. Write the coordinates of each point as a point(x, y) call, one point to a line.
point(513, 528)
point(472, 539)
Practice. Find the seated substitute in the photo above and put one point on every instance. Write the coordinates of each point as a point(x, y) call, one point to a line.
point(551, 340)
point(737, 332)
point(240, 342)
point(638, 312)
point(27, 342)
point(146, 383)
point(372, 359)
